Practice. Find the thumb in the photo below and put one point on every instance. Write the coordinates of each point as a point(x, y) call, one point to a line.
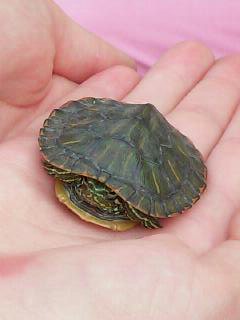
point(38, 39)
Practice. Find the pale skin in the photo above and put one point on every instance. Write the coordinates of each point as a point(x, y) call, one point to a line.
point(55, 266)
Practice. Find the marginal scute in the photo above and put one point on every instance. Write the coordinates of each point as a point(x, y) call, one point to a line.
point(130, 147)
point(127, 191)
point(103, 176)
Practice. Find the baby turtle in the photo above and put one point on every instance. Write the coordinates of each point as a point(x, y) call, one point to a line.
point(118, 164)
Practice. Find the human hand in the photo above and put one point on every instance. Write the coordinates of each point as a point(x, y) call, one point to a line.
point(55, 266)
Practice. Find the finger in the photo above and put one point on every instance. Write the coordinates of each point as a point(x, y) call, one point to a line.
point(208, 222)
point(206, 111)
point(203, 116)
point(225, 172)
point(13, 118)
point(80, 54)
point(173, 76)
point(114, 83)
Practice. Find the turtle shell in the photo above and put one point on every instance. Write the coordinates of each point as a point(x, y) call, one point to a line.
point(129, 147)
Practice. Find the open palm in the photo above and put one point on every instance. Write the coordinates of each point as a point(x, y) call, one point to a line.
point(55, 266)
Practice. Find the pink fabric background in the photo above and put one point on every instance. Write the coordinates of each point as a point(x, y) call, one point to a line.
point(144, 29)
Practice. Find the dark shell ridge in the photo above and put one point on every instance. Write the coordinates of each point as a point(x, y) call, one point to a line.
point(131, 148)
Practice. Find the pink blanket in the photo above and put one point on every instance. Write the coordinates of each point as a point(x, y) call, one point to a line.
point(144, 29)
